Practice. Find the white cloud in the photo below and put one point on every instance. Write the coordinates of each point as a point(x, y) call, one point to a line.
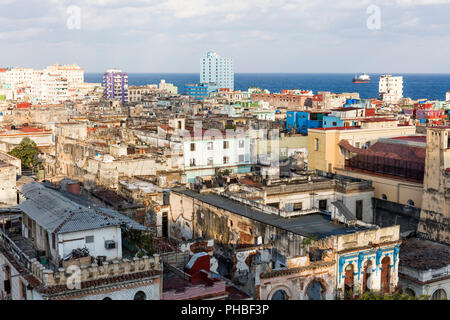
point(240, 28)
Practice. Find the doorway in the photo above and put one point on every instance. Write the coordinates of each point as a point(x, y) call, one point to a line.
point(349, 278)
point(367, 276)
point(165, 225)
point(385, 274)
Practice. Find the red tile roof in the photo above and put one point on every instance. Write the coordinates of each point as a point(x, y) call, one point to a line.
point(249, 182)
point(338, 128)
point(389, 150)
point(31, 129)
point(377, 119)
point(412, 138)
point(347, 109)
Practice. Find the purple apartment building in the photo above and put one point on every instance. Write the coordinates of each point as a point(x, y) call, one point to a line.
point(115, 83)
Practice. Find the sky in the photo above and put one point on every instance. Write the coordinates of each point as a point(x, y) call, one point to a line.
point(300, 36)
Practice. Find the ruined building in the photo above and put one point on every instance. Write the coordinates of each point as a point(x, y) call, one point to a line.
point(273, 253)
point(435, 214)
point(63, 247)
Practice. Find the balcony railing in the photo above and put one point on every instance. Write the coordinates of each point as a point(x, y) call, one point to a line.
point(11, 246)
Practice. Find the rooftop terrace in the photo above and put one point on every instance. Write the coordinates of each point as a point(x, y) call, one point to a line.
point(316, 224)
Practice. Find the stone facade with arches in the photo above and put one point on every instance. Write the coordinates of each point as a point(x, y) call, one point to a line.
point(425, 268)
point(300, 283)
point(358, 262)
point(374, 269)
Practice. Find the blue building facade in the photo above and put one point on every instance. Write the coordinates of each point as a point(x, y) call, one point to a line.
point(332, 122)
point(200, 91)
point(371, 269)
point(301, 121)
point(357, 103)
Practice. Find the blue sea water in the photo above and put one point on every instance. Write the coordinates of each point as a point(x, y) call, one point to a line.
point(415, 86)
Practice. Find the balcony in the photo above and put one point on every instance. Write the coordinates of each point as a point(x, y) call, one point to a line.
point(21, 248)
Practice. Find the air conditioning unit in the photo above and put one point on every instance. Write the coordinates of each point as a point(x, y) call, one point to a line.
point(258, 241)
point(109, 244)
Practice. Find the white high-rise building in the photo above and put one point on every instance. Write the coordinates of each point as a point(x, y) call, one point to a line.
point(218, 70)
point(18, 77)
point(447, 96)
point(73, 73)
point(49, 86)
point(390, 88)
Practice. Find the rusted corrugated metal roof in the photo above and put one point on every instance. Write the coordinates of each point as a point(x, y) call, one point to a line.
point(58, 213)
point(389, 150)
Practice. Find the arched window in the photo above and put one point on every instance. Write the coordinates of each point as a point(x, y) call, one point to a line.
point(367, 276)
point(139, 296)
point(280, 295)
point(348, 282)
point(410, 292)
point(439, 294)
point(107, 298)
point(410, 203)
point(315, 291)
point(385, 274)
point(384, 197)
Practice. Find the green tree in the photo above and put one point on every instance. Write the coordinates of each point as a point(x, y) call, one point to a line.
point(370, 295)
point(27, 152)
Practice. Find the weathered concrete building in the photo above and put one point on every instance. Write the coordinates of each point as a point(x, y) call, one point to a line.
point(41, 257)
point(8, 193)
point(425, 268)
point(306, 255)
point(435, 214)
point(14, 135)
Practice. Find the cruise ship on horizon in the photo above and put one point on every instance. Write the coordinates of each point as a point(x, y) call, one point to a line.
point(363, 78)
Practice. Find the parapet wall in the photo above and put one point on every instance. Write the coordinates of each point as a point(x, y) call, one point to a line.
point(94, 272)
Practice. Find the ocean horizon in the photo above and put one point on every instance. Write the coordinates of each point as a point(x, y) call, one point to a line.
point(432, 86)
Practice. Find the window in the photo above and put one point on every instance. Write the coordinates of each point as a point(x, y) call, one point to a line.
point(90, 239)
point(323, 204)
point(316, 144)
point(275, 205)
point(210, 161)
point(298, 206)
point(410, 292)
point(192, 146)
point(410, 203)
point(226, 144)
point(384, 197)
point(226, 160)
point(53, 241)
point(139, 296)
point(241, 158)
point(357, 144)
point(23, 290)
point(192, 163)
point(241, 143)
point(210, 146)
point(439, 294)
point(359, 209)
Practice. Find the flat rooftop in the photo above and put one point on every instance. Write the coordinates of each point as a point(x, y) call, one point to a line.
point(423, 254)
point(316, 224)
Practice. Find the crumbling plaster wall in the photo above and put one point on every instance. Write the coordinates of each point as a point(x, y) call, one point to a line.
point(8, 193)
point(297, 282)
